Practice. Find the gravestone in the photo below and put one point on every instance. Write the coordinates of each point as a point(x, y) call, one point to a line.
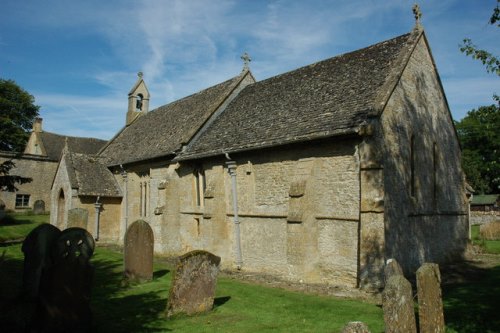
point(36, 248)
point(392, 268)
point(430, 303)
point(397, 303)
point(355, 327)
point(64, 302)
point(39, 207)
point(193, 284)
point(138, 251)
point(78, 218)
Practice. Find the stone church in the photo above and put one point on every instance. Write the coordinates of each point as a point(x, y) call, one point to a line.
point(318, 175)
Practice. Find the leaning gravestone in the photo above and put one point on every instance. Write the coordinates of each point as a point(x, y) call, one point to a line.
point(39, 207)
point(355, 327)
point(397, 303)
point(392, 268)
point(78, 217)
point(64, 300)
point(36, 248)
point(193, 284)
point(138, 251)
point(430, 303)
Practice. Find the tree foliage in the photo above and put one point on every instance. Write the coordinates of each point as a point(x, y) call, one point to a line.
point(8, 182)
point(479, 134)
point(17, 113)
point(491, 62)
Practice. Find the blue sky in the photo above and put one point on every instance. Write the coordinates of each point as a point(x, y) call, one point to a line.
point(79, 59)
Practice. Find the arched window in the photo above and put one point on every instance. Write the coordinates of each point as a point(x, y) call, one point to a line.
point(61, 202)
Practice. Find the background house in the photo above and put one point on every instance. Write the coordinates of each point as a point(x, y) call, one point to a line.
point(39, 162)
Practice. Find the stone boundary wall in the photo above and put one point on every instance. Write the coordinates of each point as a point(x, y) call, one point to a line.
point(478, 218)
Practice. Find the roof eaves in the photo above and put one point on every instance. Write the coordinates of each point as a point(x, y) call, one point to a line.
point(344, 132)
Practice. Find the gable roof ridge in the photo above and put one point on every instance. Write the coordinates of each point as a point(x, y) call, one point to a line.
point(239, 77)
point(394, 76)
point(214, 112)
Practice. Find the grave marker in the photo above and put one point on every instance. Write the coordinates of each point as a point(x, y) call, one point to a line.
point(193, 284)
point(430, 303)
point(138, 251)
point(397, 303)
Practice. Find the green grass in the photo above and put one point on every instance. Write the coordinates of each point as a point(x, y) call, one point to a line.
point(488, 246)
point(239, 306)
point(473, 307)
point(21, 225)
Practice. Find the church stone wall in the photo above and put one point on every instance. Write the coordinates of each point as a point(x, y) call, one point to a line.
point(298, 207)
point(40, 170)
point(425, 202)
point(109, 218)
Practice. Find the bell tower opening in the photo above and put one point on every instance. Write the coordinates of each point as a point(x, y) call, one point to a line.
point(138, 100)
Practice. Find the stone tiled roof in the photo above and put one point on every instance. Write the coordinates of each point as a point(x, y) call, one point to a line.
point(90, 176)
point(162, 131)
point(328, 98)
point(54, 144)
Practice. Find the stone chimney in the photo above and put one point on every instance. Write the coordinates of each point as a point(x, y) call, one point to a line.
point(37, 125)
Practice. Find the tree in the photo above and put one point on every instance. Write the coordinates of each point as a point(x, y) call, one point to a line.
point(8, 182)
point(491, 62)
point(479, 134)
point(17, 113)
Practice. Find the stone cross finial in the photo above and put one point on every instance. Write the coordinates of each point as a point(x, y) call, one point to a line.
point(417, 12)
point(246, 60)
point(140, 75)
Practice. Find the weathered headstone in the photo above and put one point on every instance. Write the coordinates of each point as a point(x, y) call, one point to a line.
point(193, 284)
point(392, 268)
point(430, 303)
point(36, 248)
point(397, 303)
point(355, 327)
point(78, 217)
point(138, 251)
point(64, 303)
point(39, 207)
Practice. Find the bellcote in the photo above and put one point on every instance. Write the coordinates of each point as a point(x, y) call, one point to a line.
point(138, 100)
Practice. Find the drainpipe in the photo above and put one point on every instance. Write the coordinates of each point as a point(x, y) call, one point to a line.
point(231, 168)
point(125, 195)
point(97, 206)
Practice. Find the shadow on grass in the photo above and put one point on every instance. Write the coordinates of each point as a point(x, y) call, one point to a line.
point(115, 307)
point(118, 307)
point(472, 306)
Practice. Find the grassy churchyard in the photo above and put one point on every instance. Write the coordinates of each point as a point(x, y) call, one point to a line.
point(471, 294)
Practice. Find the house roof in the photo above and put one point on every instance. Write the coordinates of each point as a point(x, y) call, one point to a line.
point(164, 130)
point(90, 176)
point(328, 98)
point(54, 144)
point(485, 199)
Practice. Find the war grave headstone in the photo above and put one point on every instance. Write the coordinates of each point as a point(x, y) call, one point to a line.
point(193, 284)
point(397, 304)
point(78, 217)
point(39, 207)
point(65, 286)
point(138, 251)
point(430, 303)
